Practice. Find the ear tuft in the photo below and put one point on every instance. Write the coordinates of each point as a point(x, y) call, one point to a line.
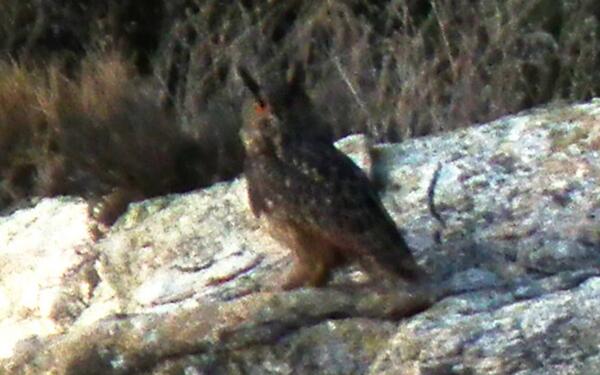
point(252, 85)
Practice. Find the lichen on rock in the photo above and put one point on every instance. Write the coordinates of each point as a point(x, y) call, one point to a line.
point(186, 283)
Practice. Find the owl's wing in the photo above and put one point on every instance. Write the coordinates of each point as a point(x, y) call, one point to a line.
point(333, 197)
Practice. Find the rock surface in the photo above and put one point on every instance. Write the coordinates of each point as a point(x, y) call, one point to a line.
point(187, 284)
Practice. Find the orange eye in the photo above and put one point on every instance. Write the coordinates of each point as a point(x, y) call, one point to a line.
point(261, 109)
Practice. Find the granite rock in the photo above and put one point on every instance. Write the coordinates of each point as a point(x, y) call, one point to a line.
point(503, 216)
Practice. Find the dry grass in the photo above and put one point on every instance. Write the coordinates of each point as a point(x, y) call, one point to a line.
point(92, 135)
point(395, 69)
point(23, 131)
point(109, 125)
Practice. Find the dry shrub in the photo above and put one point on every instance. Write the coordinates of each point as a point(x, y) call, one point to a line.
point(23, 131)
point(454, 63)
point(98, 133)
point(34, 32)
point(394, 68)
point(113, 127)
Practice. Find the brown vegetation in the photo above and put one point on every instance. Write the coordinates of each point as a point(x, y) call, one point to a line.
point(75, 120)
point(396, 69)
point(101, 133)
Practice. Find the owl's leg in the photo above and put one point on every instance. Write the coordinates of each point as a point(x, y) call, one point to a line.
point(304, 275)
point(313, 262)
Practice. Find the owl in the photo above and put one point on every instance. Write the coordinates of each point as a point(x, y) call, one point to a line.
point(314, 199)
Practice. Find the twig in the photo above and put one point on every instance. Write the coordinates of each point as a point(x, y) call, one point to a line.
point(431, 195)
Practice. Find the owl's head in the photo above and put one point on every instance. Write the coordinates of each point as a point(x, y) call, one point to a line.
point(280, 113)
point(261, 130)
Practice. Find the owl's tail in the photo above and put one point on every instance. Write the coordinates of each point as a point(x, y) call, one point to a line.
point(400, 262)
point(407, 268)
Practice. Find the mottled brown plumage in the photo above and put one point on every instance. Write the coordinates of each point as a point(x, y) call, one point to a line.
point(315, 199)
